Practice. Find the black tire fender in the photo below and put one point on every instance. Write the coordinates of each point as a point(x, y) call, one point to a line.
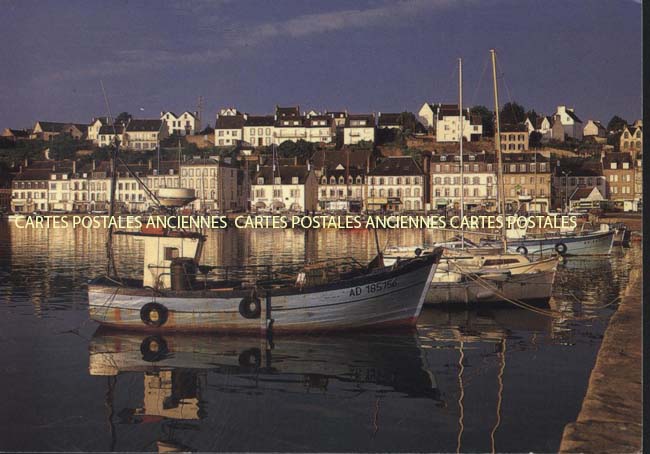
point(153, 349)
point(523, 250)
point(250, 307)
point(154, 314)
point(418, 252)
point(560, 248)
point(251, 358)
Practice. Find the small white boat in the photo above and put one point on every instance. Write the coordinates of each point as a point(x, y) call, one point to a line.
point(597, 242)
point(457, 245)
point(492, 279)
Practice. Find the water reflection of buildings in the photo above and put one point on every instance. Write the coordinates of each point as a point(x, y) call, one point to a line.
point(178, 369)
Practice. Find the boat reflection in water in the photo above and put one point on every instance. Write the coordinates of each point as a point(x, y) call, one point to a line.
point(178, 368)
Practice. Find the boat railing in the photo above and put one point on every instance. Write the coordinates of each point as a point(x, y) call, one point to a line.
point(319, 271)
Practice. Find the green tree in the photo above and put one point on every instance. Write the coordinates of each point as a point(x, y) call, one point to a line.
point(616, 124)
point(409, 123)
point(512, 114)
point(123, 117)
point(487, 119)
point(300, 149)
point(63, 147)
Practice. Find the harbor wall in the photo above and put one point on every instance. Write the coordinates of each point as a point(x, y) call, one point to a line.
point(611, 416)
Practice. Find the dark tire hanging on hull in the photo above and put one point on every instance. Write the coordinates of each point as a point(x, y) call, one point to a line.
point(560, 248)
point(523, 250)
point(153, 314)
point(251, 358)
point(153, 349)
point(250, 307)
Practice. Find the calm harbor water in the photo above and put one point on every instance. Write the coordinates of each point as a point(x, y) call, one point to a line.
point(480, 380)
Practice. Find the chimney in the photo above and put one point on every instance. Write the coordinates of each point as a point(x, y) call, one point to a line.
point(26, 162)
point(308, 166)
point(93, 162)
point(74, 166)
point(257, 166)
point(150, 164)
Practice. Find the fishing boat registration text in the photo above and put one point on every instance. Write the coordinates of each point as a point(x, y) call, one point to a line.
point(374, 287)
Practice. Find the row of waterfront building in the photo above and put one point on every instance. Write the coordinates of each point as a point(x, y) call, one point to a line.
point(233, 128)
point(346, 180)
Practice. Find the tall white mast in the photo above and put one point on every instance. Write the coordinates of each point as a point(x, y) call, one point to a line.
point(460, 138)
point(497, 141)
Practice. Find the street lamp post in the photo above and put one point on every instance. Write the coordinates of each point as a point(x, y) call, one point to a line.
point(566, 190)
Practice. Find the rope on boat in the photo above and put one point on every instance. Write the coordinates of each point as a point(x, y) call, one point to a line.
point(548, 313)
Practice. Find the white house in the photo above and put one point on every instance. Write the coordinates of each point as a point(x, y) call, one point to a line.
point(215, 184)
point(542, 125)
point(478, 186)
point(359, 128)
point(144, 134)
point(586, 198)
point(94, 127)
point(289, 125)
point(320, 128)
point(107, 135)
point(427, 114)
point(185, 124)
point(594, 128)
point(258, 130)
point(289, 187)
point(396, 184)
point(447, 124)
point(570, 122)
point(229, 129)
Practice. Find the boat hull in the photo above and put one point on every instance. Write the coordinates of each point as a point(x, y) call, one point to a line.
point(598, 243)
point(390, 297)
point(534, 287)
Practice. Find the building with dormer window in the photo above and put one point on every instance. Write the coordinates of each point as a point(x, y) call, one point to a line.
point(396, 184)
point(185, 124)
point(284, 188)
point(359, 128)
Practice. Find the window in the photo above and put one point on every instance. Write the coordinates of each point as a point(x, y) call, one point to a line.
point(171, 253)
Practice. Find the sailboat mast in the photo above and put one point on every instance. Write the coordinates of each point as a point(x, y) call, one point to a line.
point(179, 163)
point(460, 139)
point(497, 142)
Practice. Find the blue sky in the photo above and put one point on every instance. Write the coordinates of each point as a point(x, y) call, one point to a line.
point(357, 55)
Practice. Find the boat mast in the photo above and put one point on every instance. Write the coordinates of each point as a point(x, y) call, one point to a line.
point(110, 265)
point(497, 142)
point(462, 175)
point(179, 163)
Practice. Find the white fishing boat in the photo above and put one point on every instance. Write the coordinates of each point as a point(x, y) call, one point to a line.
point(457, 245)
point(492, 279)
point(178, 295)
point(598, 242)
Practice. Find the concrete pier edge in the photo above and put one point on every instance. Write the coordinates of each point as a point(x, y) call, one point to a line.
point(610, 419)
